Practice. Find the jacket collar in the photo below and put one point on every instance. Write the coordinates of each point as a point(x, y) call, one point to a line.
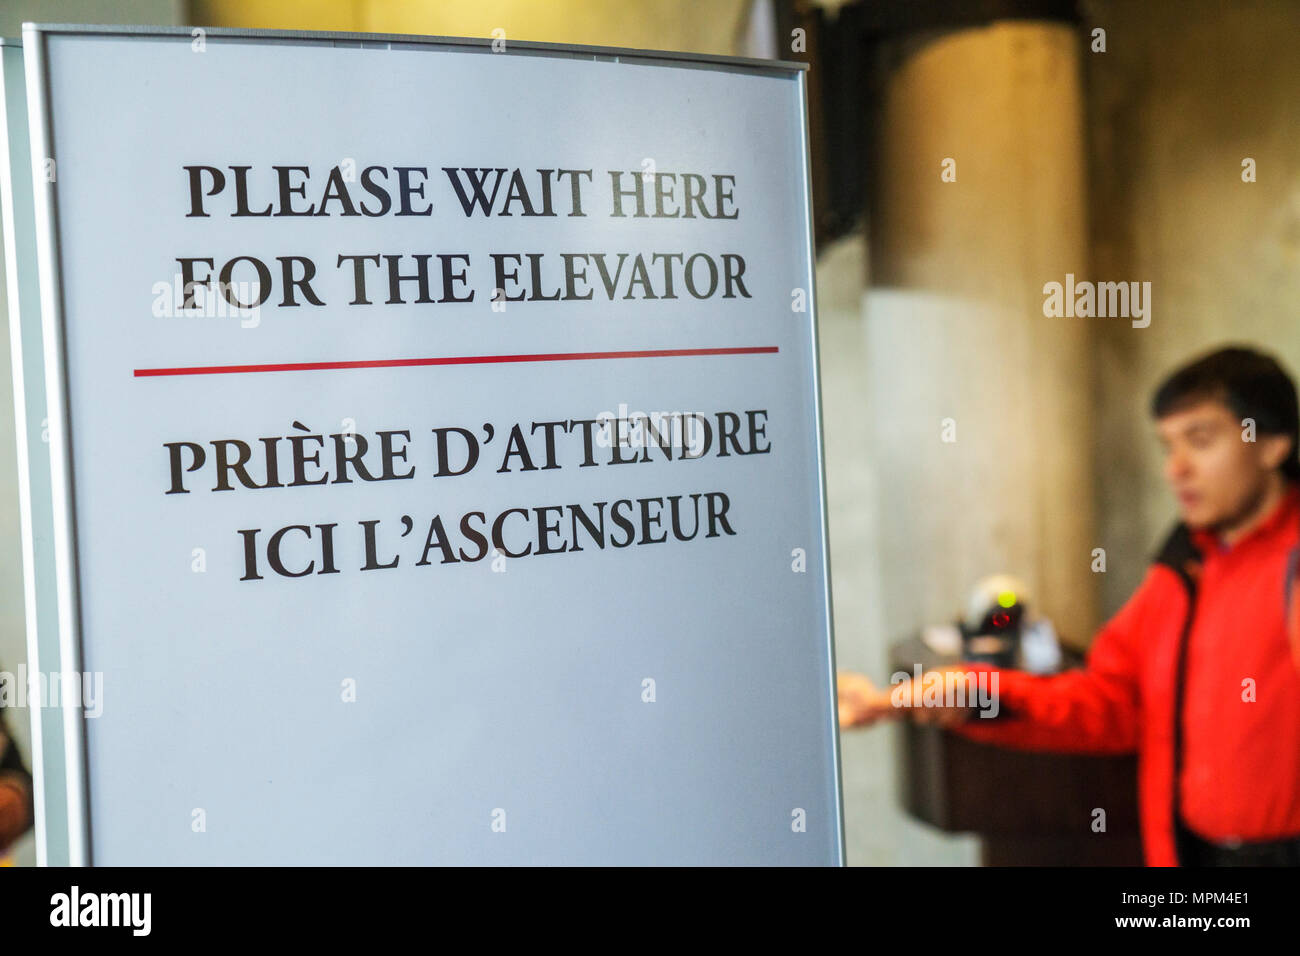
point(1184, 549)
point(1180, 553)
point(1283, 513)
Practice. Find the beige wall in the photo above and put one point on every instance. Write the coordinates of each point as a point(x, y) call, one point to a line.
point(711, 26)
point(1186, 90)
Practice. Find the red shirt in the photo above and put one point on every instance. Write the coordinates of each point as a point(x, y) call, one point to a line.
point(1217, 617)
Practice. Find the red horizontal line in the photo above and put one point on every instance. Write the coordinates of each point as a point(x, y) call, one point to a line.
point(449, 360)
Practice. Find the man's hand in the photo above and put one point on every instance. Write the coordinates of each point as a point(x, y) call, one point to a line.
point(940, 712)
point(862, 703)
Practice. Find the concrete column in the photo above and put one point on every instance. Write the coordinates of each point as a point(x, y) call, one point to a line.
point(955, 333)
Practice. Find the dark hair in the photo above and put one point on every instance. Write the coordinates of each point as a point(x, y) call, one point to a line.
point(1251, 384)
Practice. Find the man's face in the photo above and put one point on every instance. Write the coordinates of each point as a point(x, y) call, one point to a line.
point(1215, 473)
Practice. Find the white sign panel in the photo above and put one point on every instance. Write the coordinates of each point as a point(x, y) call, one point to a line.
point(437, 450)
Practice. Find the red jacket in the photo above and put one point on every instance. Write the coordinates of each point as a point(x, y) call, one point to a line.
point(1229, 765)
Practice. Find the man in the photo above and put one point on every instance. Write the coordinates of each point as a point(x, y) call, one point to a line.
point(1199, 672)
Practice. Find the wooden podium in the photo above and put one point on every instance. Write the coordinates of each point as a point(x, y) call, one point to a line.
point(1029, 809)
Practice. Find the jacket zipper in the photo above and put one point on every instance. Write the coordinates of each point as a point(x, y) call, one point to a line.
point(1180, 675)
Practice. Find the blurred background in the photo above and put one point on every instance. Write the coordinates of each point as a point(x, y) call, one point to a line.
point(1102, 138)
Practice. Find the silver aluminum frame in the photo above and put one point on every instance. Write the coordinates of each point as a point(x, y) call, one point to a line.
point(47, 240)
point(61, 492)
point(8, 204)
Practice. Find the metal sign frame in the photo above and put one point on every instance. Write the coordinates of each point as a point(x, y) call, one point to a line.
point(63, 481)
